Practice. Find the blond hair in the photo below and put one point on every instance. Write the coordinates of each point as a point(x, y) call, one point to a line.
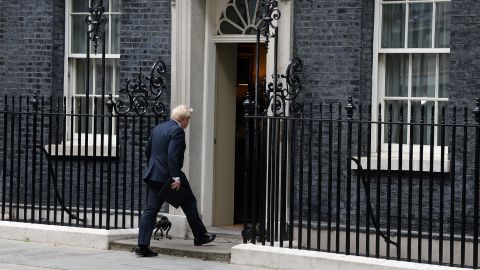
point(181, 112)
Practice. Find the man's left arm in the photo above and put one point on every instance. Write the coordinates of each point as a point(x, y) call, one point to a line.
point(176, 151)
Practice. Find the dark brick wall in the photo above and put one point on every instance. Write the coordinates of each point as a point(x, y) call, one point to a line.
point(32, 47)
point(145, 37)
point(465, 52)
point(366, 51)
point(332, 39)
point(3, 51)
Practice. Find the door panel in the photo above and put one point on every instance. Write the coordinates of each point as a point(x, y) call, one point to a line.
point(225, 100)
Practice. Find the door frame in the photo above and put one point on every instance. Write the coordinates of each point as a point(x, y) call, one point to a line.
point(194, 43)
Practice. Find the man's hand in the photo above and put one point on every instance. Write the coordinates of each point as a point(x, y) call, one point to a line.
point(175, 184)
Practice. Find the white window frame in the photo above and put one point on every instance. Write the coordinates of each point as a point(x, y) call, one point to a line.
point(70, 80)
point(378, 96)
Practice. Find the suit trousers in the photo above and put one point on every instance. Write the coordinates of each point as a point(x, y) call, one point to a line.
point(154, 203)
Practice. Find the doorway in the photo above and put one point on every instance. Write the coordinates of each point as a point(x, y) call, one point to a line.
point(235, 76)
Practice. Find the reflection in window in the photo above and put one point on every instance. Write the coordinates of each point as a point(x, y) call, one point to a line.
point(420, 25)
point(393, 26)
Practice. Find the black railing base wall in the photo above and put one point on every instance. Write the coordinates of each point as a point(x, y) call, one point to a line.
point(59, 214)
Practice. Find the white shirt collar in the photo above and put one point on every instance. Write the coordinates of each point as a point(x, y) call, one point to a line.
point(177, 123)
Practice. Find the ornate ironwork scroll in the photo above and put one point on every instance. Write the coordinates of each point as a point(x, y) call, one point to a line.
point(277, 94)
point(96, 21)
point(269, 16)
point(143, 94)
point(278, 98)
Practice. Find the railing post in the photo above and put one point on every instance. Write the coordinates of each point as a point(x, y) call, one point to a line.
point(109, 151)
point(4, 163)
point(34, 154)
point(476, 116)
point(349, 108)
point(247, 232)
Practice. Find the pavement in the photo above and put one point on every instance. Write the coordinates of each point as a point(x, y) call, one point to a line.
point(24, 255)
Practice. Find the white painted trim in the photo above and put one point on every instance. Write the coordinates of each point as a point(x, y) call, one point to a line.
point(66, 52)
point(92, 56)
point(414, 50)
point(208, 117)
point(378, 73)
point(79, 150)
point(293, 259)
point(235, 39)
point(375, 47)
point(405, 162)
point(182, 80)
point(63, 235)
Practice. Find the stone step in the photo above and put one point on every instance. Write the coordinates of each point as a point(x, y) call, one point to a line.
point(218, 250)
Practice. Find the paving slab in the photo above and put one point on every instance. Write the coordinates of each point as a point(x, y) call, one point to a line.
point(23, 255)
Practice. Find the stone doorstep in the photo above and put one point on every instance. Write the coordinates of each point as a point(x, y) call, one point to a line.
point(293, 259)
point(219, 250)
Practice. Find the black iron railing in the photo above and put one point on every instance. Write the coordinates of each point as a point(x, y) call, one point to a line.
point(52, 174)
point(331, 178)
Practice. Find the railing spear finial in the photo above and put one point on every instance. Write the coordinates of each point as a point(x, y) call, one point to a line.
point(350, 107)
point(476, 111)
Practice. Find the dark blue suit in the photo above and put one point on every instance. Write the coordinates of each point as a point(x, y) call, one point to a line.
point(165, 151)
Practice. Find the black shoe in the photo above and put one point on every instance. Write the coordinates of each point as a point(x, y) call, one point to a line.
point(205, 239)
point(144, 251)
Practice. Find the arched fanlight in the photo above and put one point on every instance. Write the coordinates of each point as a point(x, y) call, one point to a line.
point(239, 17)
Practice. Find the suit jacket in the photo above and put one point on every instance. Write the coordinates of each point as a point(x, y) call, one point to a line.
point(165, 151)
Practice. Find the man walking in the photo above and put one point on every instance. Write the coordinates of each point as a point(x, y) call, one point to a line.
point(165, 151)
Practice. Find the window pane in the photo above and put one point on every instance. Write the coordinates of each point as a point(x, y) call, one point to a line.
point(116, 72)
point(427, 119)
point(420, 25)
point(79, 34)
point(393, 26)
point(443, 75)
point(423, 75)
point(115, 5)
point(79, 5)
point(234, 24)
point(106, 4)
point(442, 29)
point(396, 75)
point(115, 33)
point(108, 76)
point(80, 76)
point(80, 108)
point(105, 119)
point(396, 105)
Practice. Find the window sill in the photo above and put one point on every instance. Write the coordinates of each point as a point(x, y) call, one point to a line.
point(405, 163)
point(76, 150)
